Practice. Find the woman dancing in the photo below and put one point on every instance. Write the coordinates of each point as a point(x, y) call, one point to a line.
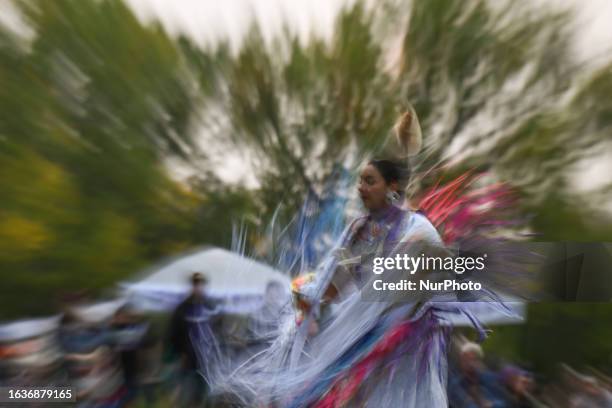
point(348, 345)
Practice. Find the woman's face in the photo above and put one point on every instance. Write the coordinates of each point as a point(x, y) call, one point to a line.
point(373, 188)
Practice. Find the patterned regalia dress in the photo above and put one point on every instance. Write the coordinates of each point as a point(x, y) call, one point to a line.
point(360, 348)
point(375, 350)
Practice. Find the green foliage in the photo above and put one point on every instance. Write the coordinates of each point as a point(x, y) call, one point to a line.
point(92, 106)
point(577, 334)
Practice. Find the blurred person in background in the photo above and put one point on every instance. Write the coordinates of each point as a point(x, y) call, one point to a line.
point(519, 386)
point(93, 366)
point(472, 385)
point(30, 353)
point(587, 391)
point(192, 324)
point(264, 322)
point(128, 331)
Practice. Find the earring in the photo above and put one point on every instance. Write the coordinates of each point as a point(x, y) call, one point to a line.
point(392, 197)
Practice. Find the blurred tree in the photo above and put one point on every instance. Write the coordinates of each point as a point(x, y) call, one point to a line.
point(298, 109)
point(495, 86)
point(93, 104)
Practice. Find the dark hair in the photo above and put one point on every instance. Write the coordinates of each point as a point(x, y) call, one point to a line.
point(391, 171)
point(198, 278)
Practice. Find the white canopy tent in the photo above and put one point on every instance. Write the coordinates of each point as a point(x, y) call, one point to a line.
point(237, 280)
point(97, 313)
point(24, 329)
